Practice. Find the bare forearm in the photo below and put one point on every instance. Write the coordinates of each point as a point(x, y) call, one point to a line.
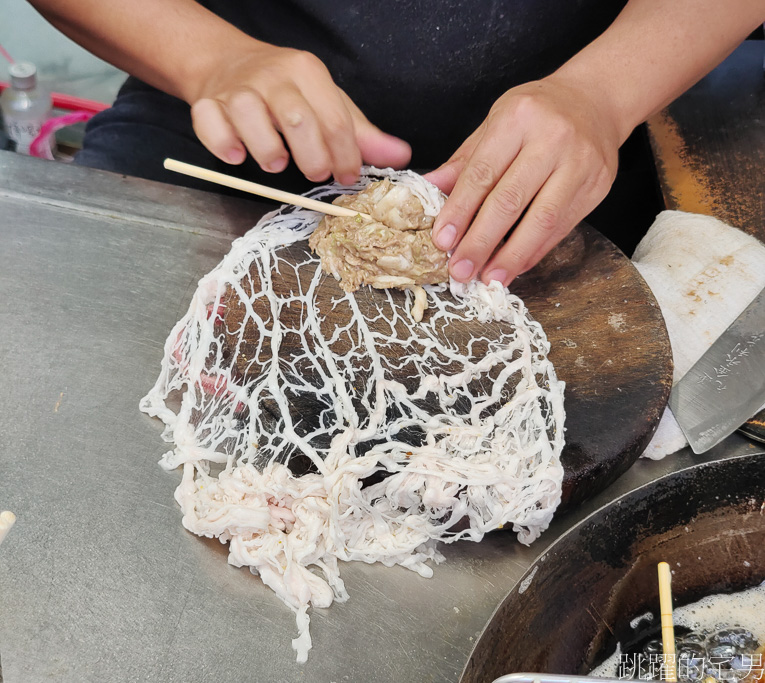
point(170, 44)
point(657, 49)
point(245, 95)
point(547, 153)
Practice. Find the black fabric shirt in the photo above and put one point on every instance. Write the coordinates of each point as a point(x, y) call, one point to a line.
point(427, 71)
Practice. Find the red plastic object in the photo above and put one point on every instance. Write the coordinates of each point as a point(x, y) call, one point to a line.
point(70, 102)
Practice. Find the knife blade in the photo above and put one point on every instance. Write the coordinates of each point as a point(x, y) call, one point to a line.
point(726, 386)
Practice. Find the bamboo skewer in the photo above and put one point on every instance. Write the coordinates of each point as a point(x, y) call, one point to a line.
point(7, 520)
point(260, 190)
point(667, 625)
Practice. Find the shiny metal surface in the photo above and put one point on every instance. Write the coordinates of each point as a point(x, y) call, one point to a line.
point(99, 581)
point(726, 386)
point(553, 678)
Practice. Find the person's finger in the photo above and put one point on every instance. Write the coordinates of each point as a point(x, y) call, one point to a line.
point(591, 193)
point(215, 131)
point(377, 148)
point(299, 125)
point(478, 177)
point(445, 176)
point(553, 213)
point(251, 120)
point(336, 126)
point(500, 211)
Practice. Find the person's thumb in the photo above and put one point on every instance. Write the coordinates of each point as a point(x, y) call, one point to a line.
point(377, 148)
point(380, 149)
point(446, 175)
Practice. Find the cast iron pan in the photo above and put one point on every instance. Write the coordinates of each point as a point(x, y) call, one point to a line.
point(588, 586)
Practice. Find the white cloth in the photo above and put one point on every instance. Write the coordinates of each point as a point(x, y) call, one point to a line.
point(703, 273)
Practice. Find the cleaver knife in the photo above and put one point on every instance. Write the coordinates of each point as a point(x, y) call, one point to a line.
point(726, 386)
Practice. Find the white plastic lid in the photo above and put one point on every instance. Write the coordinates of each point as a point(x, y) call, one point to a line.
point(23, 75)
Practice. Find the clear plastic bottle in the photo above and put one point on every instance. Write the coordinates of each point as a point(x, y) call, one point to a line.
point(25, 106)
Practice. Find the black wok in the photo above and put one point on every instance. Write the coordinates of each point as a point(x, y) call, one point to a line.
point(580, 595)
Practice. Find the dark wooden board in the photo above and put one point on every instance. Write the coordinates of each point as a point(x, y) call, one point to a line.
point(609, 345)
point(709, 146)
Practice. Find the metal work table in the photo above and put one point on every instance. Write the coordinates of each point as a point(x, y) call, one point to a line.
point(98, 579)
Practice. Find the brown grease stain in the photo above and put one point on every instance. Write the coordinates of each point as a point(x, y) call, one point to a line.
point(727, 260)
point(684, 188)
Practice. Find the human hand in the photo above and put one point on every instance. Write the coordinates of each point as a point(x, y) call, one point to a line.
point(248, 100)
point(545, 148)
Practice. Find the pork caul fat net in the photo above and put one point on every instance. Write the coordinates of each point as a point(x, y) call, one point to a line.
point(315, 425)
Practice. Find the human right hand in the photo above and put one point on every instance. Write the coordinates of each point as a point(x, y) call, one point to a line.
point(247, 101)
point(544, 157)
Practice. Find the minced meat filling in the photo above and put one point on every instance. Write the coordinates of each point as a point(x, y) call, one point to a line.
point(392, 250)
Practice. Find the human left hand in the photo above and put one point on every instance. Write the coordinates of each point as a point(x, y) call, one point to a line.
point(547, 148)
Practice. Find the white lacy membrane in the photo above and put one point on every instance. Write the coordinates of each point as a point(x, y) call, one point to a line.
point(491, 455)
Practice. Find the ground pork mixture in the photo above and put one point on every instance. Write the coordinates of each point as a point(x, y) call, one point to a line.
point(394, 249)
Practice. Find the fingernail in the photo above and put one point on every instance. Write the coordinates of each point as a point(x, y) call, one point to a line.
point(276, 166)
point(498, 274)
point(235, 155)
point(463, 269)
point(444, 238)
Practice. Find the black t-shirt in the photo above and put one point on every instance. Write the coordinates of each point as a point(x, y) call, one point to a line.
point(427, 71)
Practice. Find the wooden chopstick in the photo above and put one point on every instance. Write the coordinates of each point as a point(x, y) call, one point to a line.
point(260, 190)
point(667, 625)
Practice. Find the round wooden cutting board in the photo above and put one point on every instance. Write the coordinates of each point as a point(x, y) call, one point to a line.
point(609, 345)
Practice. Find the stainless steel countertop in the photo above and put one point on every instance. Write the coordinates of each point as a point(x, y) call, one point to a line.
point(98, 579)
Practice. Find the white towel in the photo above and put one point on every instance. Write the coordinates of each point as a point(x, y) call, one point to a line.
point(703, 273)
